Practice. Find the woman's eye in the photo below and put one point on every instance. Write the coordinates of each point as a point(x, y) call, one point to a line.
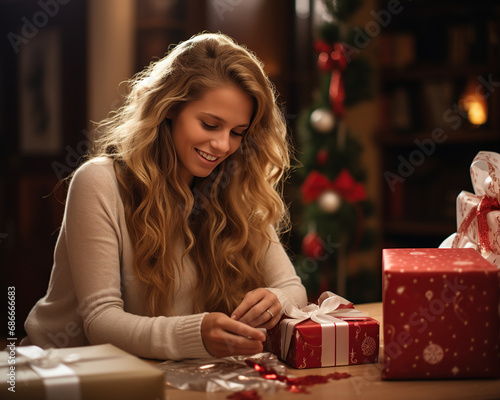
point(238, 133)
point(208, 126)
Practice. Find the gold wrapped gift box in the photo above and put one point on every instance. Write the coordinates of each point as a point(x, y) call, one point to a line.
point(100, 372)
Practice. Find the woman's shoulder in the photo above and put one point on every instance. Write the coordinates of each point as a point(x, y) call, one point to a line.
point(96, 166)
point(96, 173)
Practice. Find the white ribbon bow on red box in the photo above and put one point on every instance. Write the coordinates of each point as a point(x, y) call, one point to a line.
point(476, 228)
point(334, 331)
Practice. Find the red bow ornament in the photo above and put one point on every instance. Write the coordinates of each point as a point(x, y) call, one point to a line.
point(317, 183)
point(332, 59)
point(478, 215)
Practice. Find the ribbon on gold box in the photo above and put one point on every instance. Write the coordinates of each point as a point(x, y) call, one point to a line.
point(79, 373)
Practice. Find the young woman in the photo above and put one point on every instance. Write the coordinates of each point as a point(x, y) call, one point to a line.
point(168, 248)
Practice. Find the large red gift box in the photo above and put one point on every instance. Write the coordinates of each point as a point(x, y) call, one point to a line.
point(329, 334)
point(441, 314)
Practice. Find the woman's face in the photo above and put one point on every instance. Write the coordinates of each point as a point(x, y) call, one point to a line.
point(207, 131)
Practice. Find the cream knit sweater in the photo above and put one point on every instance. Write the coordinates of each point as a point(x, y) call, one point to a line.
point(93, 295)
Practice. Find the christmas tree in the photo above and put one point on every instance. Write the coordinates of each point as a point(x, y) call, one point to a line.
point(335, 204)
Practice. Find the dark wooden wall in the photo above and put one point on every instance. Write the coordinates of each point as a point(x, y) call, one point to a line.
point(29, 213)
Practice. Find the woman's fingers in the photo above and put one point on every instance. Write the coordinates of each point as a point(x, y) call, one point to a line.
point(223, 336)
point(259, 308)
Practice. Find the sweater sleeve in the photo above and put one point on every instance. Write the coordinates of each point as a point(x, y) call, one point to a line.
point(93, 233)
point(281, 277)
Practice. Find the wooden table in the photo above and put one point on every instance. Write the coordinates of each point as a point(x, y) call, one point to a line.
point(365, 382)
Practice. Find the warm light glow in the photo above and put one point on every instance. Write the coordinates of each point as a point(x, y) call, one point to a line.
point(474, 104)
point(476, 113)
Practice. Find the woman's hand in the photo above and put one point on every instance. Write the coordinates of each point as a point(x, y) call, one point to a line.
point(260, 308)
point(223, 336)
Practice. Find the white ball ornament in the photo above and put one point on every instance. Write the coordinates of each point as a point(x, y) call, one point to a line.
point(322, 120)
point(329, 202)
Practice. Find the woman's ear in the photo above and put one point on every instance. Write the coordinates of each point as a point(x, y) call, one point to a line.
point(171, 114)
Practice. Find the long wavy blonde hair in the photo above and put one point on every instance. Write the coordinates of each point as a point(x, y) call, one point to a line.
point(225, 221)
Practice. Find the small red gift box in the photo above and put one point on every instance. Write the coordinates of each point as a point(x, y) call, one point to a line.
point(329, 334)
point(441, 314)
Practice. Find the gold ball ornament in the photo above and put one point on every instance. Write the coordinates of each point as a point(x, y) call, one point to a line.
point(329, 202)
point(322, 120)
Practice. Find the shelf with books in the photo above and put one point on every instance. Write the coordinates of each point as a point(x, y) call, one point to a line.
point(452, 33)
point(459, 136)
point(439, 85)
point(160, 24)
point(397, 227)
point(426, 71)
point(427, 103)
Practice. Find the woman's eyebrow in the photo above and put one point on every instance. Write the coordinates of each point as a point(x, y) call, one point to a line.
point(220, 119)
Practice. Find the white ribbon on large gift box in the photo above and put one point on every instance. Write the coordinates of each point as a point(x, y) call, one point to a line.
point(59, 380)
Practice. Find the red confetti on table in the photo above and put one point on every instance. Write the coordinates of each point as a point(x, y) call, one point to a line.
point(245, 395)
point(293, 384)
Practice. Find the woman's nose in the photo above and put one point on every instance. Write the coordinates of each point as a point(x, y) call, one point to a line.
point(220, 143)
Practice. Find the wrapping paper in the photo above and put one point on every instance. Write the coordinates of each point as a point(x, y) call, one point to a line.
point(328, 334)
point(81, 373)
point(478, 213)
point(441, 314)
point(230, 374)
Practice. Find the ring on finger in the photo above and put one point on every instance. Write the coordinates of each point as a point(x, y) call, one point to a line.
point(270, 313)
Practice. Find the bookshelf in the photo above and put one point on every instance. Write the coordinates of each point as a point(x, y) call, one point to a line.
point(53, 61)
point(160, 24)
point(434, 60)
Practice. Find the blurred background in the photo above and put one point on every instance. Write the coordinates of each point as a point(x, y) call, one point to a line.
point(387, 103)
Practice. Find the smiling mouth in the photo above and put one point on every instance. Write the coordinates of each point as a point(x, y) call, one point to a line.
point(206, 156)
